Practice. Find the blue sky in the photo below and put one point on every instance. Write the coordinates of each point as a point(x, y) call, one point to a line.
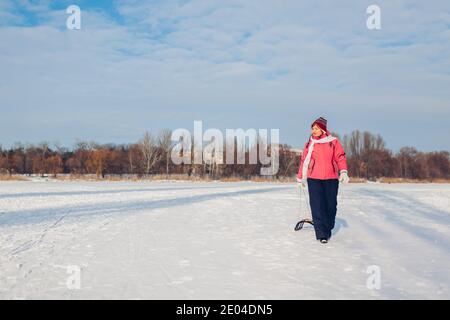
point(148, 65)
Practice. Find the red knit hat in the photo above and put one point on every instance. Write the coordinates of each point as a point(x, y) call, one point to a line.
point(321, 122)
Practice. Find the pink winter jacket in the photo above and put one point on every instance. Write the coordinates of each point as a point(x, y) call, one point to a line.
point(327, 160)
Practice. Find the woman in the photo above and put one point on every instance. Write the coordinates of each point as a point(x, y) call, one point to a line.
point(322, 166)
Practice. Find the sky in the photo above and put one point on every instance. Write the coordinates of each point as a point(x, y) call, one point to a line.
point(265, 64)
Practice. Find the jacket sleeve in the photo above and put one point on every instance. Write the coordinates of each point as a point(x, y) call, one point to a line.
point(302, 159)
point(339, 156)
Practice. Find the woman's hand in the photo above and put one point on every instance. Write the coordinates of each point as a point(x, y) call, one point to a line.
point(301, 183)
point(343, 176)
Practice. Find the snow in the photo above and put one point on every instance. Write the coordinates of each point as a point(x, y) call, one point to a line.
point(213, 240)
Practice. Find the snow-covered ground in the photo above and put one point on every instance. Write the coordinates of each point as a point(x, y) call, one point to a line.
point(181, 240)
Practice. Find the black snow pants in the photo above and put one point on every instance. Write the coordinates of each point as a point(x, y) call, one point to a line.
point(323, 202)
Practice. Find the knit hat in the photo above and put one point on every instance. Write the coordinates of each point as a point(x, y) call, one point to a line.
point(321, 122)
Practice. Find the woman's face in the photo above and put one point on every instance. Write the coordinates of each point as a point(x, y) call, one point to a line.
point(316, 131)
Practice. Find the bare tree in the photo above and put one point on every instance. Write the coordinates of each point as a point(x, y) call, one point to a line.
point(289, 160)
point(97, 162)
point(54, 164)
point(166, 145)
point(4, 163)
point(134, 158)
point(406, 157)
point(439, 165)
point(149, 151)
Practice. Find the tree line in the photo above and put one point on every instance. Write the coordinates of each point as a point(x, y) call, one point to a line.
point(367, 158)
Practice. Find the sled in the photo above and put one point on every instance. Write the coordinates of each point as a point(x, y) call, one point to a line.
point(299, 225)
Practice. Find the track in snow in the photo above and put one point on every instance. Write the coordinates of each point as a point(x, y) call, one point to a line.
point(181, 240)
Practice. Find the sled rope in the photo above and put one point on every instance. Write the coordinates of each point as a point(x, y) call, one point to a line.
point(300, 224)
